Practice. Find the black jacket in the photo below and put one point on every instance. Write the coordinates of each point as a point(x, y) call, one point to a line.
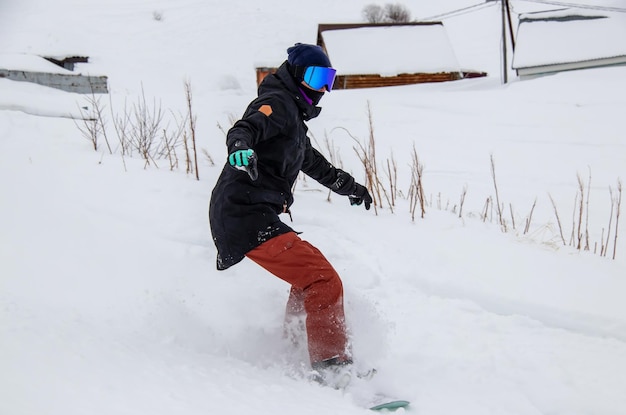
point(244, 213)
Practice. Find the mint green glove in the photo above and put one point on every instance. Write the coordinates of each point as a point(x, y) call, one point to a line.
point(245, 160)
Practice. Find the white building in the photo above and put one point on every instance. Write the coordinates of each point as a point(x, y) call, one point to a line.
point(568, 39)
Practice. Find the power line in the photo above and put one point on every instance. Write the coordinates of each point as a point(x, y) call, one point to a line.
point(460, 12)
point(580, 6)
point(488, 3)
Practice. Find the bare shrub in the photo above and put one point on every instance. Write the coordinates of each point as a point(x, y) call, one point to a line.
point(93, 122)
point(145, 124)
point(397, 13)
point(373, 13)
point(143, 129)
point(390, 13)
point(88, 124)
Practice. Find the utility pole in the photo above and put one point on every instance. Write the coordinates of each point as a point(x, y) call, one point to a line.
point(508, 15)
point(504, 4)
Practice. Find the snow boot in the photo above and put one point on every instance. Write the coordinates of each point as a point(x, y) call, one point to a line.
point(338, 374)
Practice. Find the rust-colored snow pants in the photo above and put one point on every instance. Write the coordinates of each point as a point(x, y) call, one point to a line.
point(315, 289)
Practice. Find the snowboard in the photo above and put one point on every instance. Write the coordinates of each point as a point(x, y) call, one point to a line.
point(363, 397)
point(390, 405)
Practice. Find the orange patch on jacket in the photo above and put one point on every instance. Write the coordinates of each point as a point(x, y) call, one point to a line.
point(266, 109)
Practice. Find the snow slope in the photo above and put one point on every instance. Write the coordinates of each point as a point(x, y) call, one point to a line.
point(109, 297)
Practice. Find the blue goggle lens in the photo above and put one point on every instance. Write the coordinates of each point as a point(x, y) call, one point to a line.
point(318, 77)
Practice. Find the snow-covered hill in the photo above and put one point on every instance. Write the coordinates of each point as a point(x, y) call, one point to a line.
point(109, 297)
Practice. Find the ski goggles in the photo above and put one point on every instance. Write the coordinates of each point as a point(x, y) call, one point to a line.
point(318, 77)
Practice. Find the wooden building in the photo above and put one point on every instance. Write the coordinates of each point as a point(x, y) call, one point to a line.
point(375, 55)
point(368, 55)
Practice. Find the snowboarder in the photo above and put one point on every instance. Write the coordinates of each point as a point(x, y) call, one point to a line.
point(267, 148)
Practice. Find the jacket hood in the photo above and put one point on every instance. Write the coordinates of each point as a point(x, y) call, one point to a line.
point(283, 80)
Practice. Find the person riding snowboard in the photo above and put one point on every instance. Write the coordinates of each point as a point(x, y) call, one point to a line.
point(267, 148)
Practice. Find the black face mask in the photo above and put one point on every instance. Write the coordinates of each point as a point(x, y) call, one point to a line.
point(314, 96)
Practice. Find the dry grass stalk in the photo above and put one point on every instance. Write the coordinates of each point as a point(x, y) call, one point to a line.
point(222, 129)
point(192, 126)
point(208, 157)
point(462, 201)
point(512, 215)
point(587, 247)
point(98, 110)
point(558, 219)
point(370, 178)
point(367, 155)
point(605, 246)
point(485, 213)
point(332, 153)
point(416, 190)
point(121, 124)
point(169, 151)
point(530, 217)
point(499, 207)
point(188, 164)
point(579, 234)
point(392, 175)
point(618, 204)
point(572, 237)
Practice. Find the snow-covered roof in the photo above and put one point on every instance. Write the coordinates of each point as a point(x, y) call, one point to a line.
point(39, 70)
point(390, 50)
point(569, 36)
point(31, 63)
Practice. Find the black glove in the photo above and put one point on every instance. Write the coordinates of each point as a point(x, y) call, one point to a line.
point(245, 160)
point(345, 185)
point(360, 195)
